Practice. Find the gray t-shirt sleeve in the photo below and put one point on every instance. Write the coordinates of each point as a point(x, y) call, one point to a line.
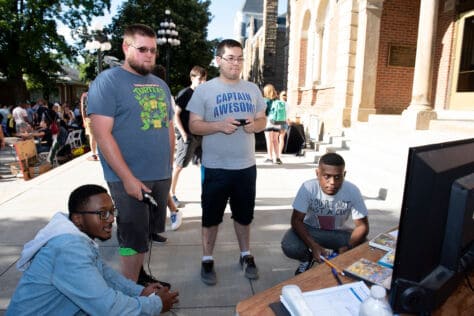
point(301, 202)
point(261, 104)
point(359, 210)
point(196, 104)
point(101, 94)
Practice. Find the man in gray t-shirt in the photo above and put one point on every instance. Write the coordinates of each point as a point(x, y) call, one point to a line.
point(321, 212)
point(227, 112)
point(131, 118)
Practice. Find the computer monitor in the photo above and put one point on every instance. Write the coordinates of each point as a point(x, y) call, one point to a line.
point(436, 230)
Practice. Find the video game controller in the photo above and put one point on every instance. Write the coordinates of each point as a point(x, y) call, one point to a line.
point(242, 122)
point(147, 198)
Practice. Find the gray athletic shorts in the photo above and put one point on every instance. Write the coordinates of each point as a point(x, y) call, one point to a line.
point(185, 150)
point(135, 222)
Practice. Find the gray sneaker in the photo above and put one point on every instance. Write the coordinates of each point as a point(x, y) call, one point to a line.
point(208, 274)
point(249, 267)
point(177, 202)
point(304, 266)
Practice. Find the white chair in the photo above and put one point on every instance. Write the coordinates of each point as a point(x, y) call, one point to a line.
point(74, 138)
point(48, 156)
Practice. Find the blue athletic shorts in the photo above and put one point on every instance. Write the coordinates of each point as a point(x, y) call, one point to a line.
point(220, 186)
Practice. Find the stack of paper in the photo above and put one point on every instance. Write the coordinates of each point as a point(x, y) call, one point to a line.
point(342, 300)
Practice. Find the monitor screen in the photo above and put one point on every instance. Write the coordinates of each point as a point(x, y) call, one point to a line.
point(424, 274)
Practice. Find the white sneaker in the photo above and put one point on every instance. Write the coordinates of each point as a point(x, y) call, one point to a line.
point(176, 220)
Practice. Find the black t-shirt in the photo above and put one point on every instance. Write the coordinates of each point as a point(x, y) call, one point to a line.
point(182, 101)
point(46, 113)
point(47, 138)
point(40, 112)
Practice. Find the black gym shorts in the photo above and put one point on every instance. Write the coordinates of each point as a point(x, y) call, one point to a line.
point(222, 185)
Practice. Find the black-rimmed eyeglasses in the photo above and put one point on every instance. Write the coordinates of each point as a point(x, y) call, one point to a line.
point(143, 49)
point(103, 214)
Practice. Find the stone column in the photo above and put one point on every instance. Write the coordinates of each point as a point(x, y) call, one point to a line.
point(420, 111)
point(368, 33)
point(344, 72)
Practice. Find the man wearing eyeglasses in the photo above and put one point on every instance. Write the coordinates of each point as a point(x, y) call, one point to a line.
point(131, 118)
point(63, 273)
point(227, 111)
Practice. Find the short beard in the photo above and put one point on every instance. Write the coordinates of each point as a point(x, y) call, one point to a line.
point(142, 70)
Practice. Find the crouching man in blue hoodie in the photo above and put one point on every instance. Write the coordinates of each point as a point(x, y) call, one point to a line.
point(65, 275)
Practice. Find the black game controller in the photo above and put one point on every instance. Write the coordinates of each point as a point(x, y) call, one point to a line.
point(242, 122)
point(147, 198)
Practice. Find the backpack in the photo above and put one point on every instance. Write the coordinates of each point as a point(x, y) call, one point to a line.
point(278, 113)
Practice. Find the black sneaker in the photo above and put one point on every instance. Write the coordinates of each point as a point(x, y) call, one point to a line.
point(158, 238)
point(304, 266)
point(208, 274)
point(249, 267)
point(145, 279)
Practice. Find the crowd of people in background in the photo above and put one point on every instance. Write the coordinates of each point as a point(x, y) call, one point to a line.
point(42, 121)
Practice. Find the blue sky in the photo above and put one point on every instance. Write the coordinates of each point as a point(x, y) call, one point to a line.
point(221, 25)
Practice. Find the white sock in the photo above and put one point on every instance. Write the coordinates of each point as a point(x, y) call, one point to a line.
point(206, 258)
point(244, 253)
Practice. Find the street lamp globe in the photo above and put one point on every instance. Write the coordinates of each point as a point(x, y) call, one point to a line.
point(99, 43)
point(167, 36)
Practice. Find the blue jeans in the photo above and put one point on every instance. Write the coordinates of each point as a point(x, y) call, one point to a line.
point(295, 248)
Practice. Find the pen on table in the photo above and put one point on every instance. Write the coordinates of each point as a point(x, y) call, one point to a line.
point(332, 265)
point(336, 276)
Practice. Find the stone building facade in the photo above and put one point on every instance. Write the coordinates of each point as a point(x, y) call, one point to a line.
point(349, 59)
point(265, 45)
point(251, 10)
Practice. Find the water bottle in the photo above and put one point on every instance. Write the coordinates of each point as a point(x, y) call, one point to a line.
point(376, 304)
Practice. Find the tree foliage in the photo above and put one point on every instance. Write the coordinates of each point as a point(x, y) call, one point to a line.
point(191, 18)
point(30, 44)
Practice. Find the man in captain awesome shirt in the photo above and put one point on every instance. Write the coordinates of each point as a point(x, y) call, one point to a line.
point(227, 111)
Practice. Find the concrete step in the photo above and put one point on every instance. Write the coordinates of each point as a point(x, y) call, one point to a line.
point(453, 126)
point(382, 147)
point(455, 115)
point(381, 120)
point(460, 123)
point(339, 144)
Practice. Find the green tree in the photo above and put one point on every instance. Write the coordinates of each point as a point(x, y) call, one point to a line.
point(191, 18)
point(30, 44)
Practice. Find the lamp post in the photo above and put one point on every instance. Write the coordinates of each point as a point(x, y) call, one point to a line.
point(100, 43)
point(168, 36)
